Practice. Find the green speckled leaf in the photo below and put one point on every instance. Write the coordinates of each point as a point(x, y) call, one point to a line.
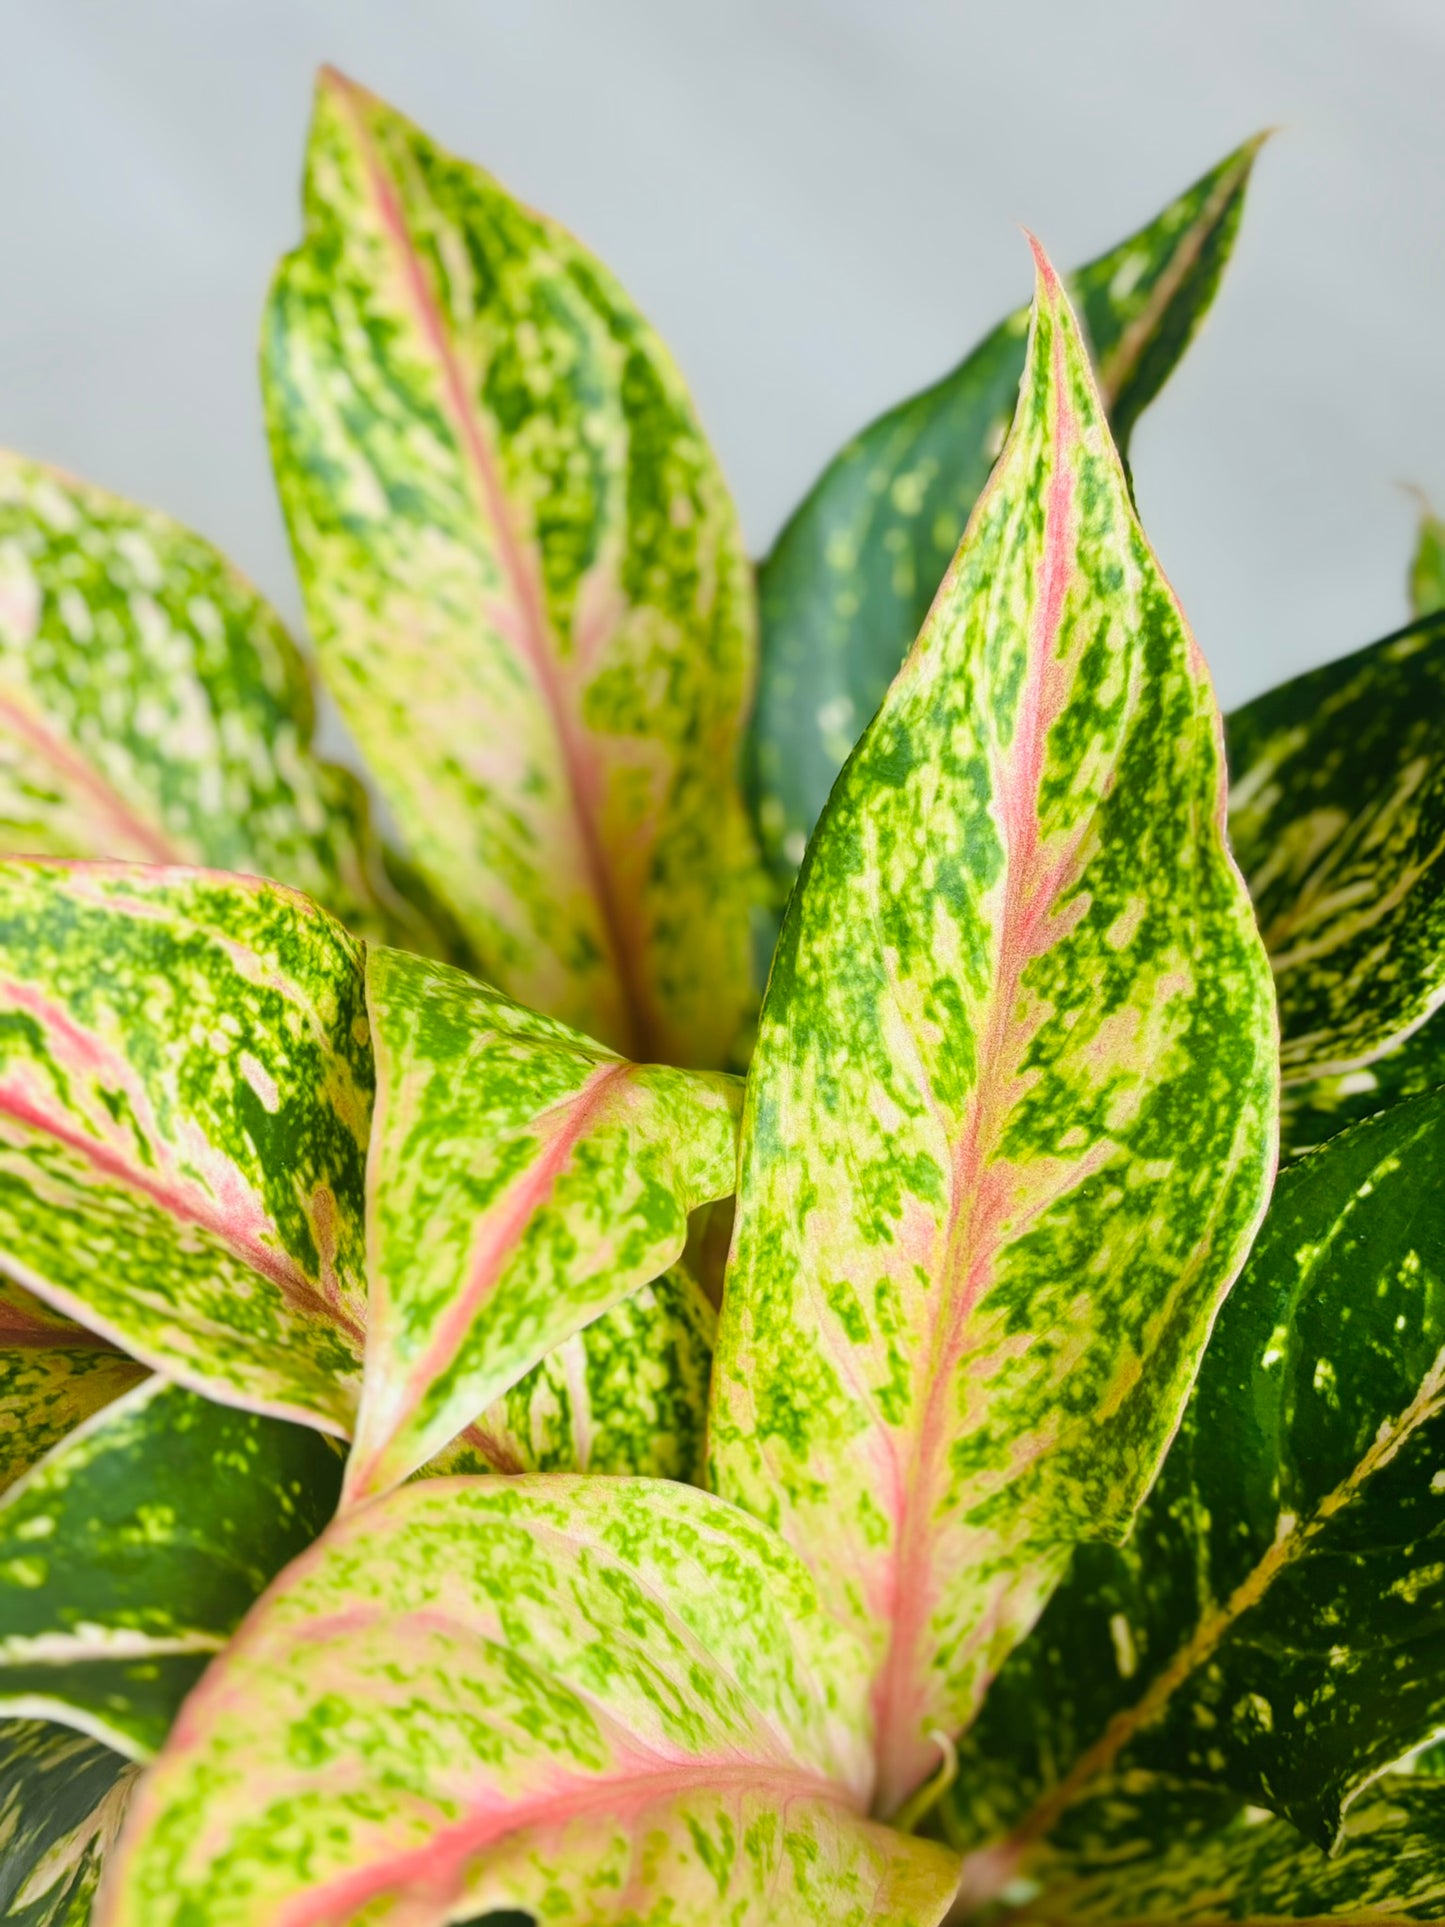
point(53, 1375)
point(600, 1700)
point(1337, 816)
point(1275, 1629)
point(850, 578)
point(626, 1396)
point(522, 1181)
point(1009, 1127)
point(62, 1799)
point(184, 1102)
point(526, 581)
point(130, 1553)
point(1427, 566)
point(1257, 1871)
point(152, 707)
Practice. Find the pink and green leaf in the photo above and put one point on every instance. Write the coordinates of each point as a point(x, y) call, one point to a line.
point(185, 1088)
point(1009, 1126)
point(526, 581)
point(154, 709)
point(522, 1181)
point(53, 1375)
point(62, 1799)
point(601, 1701)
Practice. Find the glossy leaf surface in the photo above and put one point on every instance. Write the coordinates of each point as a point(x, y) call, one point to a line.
point(600, 1700)
point(849, 581)
point(130, 1553)
point(1275, 1628)
point(184, 1099)
point(153, 708)
point(626, 1396)
point(1009, 1123)
point(62, 1799)
point(526, 581)
point(522, 1181)
point(1337, 816)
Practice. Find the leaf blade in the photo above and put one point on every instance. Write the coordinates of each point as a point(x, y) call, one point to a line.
point(62, 1799)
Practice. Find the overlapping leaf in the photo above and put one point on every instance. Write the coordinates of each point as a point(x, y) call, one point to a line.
point(626, 1396)
point(184, 1099)
point(1337, 815)
point(153, 708)
point(1275, 1628)
point(129, 1554)
point(1427, 565)
point(526, 581)
point(522, 1181)
point(53, 1374)
point(849, 580)
point(1009, 1125)
point(601, 1700)
point(62, 1799)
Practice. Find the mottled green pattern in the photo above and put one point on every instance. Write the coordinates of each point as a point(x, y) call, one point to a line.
point(130, 1553)
point(602, 1700)
point(849, 580)
point(1427, 565)
point(184, 1101)
point(47, 1390)
point(626, 1396)
point(526, 581)
point(152, 707)
point(1390, 1870)
point(1009, 1124)
point(1275, 1629)
point(1337, 816)
point(522, 1180)
point(62, 1799)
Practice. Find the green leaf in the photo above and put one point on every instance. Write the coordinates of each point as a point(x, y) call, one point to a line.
point(600, 1700)
point(522, 1181)
point(1258, 1871)
point(626, 1396)
point(184, 1100)
point(526, 581)
point(130, 1553)
point(53, 1375)
point(1009, 1124)
point(850, 578)
point(1337, 816)
point(1427, 566)
point(152, 707)
point(62, 1799)
point(1275, 1629)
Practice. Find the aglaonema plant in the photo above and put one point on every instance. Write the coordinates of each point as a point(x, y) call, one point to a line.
point(401, 1518)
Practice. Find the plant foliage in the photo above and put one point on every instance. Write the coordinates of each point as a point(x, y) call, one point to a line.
point(404, 1515)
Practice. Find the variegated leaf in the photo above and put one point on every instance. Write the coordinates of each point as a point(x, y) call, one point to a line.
point(1009, 1126)
point(850, 579)
point(522, 1181)
point(526, 581)
point(1257, 1871)
point(1427, 566)
point(62, 1799)
point(129, 1554)
point(1337, 816)
point(184, 1101)
point(600, 1700)
point(626, 1396)
point(1275, 1629)
point(53, 1374)
point(152, 707)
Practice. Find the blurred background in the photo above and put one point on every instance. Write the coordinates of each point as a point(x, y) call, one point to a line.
point(818, 202)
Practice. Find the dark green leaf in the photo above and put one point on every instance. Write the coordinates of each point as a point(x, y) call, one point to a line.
point(62, 1799)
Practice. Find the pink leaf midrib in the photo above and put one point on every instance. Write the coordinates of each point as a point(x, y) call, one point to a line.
point(79, 775)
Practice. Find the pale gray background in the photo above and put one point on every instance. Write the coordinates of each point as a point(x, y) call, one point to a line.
point(817, 201)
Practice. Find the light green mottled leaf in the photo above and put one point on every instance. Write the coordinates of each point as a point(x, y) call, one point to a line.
point(1390, 1870)
point(1427, 566)
point(626, 1396)
point(152, 707)
point(1009, 1124)
point(53, 1374)
point(184, 1100)
point(849, 580)
point(526, 581)
point(129, 1554)
point(62, 1799)
point(1337, 816)
point(600, 1700)
point(522, 1181)
point(1275, 1629)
